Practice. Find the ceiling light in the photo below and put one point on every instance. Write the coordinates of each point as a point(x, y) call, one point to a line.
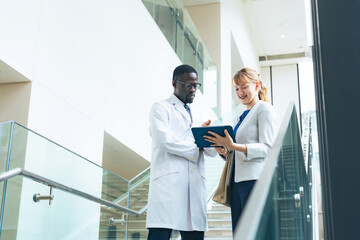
point(283, 36)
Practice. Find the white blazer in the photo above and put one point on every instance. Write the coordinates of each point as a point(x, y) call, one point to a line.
point(257, 131)
point(177, 191)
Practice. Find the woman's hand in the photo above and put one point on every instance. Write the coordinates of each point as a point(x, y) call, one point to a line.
point(218, 140)
point(222, 151)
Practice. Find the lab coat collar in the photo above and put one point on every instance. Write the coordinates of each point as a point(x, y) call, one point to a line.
point(179, 105)
point(174, 99)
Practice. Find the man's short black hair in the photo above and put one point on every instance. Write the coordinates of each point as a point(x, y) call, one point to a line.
point(180, 70)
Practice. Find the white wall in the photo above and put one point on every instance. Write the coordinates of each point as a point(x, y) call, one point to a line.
point(103, 66)
point(265, 78)
point(19, 24)
point(106, 60)
point(284, 87)
point(94, 66)
point(307, 91)
point(234, 25)
point(236, 65)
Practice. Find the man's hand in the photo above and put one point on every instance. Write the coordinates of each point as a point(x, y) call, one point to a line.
point(221, 150)
point(206, 124)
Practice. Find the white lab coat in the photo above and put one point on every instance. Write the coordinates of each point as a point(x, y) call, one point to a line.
point(177, 191)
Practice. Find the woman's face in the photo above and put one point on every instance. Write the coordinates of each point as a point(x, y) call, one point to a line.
point(247, 92)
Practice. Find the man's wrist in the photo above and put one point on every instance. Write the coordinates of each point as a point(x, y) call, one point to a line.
point(229, 151)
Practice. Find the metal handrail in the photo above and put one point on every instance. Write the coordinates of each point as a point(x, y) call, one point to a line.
point(246, 230)
point(125, 195)
point(138, 175)
point(18, 171)
point(67, 149)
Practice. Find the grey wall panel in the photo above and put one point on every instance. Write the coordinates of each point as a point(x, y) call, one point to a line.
point(337, 84)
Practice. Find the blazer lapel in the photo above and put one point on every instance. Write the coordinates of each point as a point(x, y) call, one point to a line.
point(249, 115)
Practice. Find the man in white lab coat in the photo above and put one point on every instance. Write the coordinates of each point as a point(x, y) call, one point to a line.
point(177, 192)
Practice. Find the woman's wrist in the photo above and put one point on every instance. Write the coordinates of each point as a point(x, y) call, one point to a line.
point(232, 146)
point(238, 147)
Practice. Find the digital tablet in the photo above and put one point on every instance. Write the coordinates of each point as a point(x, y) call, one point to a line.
point(200, 132)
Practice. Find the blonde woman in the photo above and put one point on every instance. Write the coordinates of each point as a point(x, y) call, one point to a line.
point(254, 135)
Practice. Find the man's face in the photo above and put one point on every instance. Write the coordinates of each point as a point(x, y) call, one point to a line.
point(184, 87)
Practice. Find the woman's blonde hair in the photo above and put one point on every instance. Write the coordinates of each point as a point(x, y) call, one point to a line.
point(250, 75)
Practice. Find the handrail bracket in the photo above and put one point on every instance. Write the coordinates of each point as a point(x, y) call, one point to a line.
point(37, 197)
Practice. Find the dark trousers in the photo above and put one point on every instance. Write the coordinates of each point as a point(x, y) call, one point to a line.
point(165, 234)
point(239, 195)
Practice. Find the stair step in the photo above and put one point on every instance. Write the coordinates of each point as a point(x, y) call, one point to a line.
point(218, 238)
point(218, 211)
point(219, 220)
point(220, 228)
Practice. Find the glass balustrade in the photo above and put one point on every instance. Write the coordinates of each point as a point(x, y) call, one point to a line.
point(68, 217)
point(37, 154)
point(5, 137)
point(175, 23)
point(25, 149)
point(138, 196)
point(286, 213)
point(285, 207)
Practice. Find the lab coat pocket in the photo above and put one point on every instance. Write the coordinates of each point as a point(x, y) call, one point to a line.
point(257, 160)
point(158, 173)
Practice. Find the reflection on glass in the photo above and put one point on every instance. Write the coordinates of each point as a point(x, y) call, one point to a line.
point(181, 33)
point(68, 217)
point(138, 196)
point(5, 138)
point(114, 189)
point(199, 62)
point(5, 134)
point(287, 212)
point(39, 155)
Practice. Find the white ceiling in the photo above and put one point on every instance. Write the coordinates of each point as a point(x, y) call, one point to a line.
point(277, 26)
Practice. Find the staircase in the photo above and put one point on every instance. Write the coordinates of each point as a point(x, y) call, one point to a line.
point(291, 220)
point(219, 221)
point(137, 198)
